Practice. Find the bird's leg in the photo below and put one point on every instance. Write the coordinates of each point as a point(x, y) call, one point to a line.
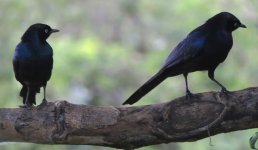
point(188, 93)
point(211, 76)
point(44, 101)
point(26, 104)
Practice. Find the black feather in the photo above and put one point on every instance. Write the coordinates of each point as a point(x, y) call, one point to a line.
point(203, 49)
point(33, 61)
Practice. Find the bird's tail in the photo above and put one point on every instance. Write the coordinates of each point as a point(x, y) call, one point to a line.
point(146, 88)
point(31, 95)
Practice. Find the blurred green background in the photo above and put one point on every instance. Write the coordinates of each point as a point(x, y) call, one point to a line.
point(107, 48)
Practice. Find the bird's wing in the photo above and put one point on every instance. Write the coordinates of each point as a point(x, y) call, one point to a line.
point(190, 48)
point(16, 68)
point(21, 53)
point(16, 61)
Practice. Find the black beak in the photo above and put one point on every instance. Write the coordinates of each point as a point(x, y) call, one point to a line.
point(54, 30)
point(242, 25)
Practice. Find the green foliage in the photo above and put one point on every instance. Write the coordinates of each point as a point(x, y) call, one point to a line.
point(107, 49)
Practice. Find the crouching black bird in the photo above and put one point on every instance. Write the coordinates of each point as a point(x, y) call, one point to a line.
point(203, 49)
point(33, 62)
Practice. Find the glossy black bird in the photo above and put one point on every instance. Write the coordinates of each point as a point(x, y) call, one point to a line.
point(33, 62)
point(203, 49)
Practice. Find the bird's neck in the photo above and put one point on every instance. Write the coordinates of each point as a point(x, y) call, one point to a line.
point(33, 40)
point(217, 26)
point(32, 37)
point(37, 47)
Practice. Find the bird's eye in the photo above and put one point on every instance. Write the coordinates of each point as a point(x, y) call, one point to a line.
point(46, 30)
point(235, 24)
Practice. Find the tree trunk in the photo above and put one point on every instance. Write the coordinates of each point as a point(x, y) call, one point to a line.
point(179, 120)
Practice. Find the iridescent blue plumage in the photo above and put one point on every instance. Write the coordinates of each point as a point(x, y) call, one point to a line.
point(33, 62)
point(199, 42)
point(203, 49)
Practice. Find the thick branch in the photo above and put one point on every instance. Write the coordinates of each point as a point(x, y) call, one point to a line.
point(132, 127)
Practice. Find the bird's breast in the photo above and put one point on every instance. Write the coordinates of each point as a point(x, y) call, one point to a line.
point(27, 52)
point(218, 47)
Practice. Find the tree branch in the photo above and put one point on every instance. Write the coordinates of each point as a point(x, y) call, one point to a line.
point(132, 127)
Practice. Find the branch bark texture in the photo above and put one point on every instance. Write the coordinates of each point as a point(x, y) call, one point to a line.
point(132, 127)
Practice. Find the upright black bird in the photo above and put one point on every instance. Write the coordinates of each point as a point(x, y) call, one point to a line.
point(203, 49)
point(33, 62)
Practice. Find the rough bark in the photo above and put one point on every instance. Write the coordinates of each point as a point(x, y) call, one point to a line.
point(132, 127)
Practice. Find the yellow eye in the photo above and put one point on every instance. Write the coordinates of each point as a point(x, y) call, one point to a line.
point(46, 30)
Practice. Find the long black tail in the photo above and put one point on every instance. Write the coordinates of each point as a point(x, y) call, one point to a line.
point(146, 87)
point(32, 95)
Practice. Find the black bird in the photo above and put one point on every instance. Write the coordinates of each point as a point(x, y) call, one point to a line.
point(203, 49)
point(33, 62)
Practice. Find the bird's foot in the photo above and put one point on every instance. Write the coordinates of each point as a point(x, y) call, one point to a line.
point(188, 96)
point(43, 104)
point(26, 106)
point(225, 91)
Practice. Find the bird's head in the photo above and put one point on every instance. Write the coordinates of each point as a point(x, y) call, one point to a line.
point(226, 20)
point(42, 31)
